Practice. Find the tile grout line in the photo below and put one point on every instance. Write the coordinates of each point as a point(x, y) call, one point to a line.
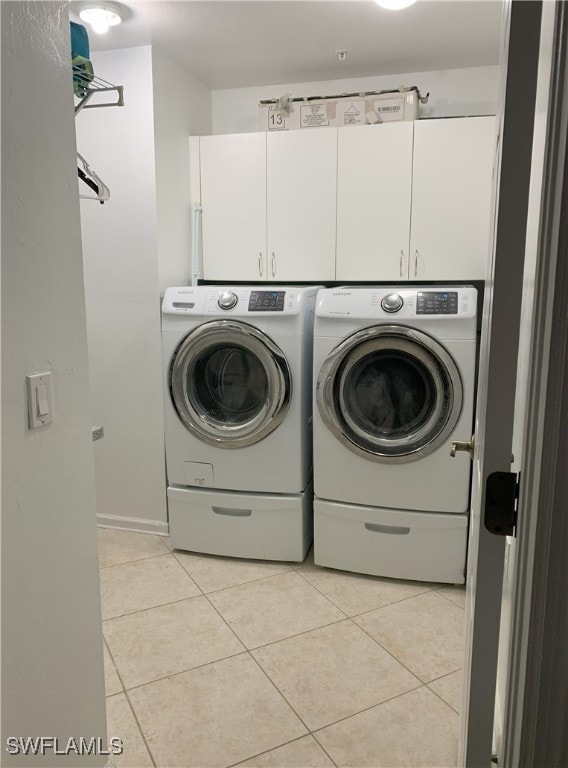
point(453, 602)
point(135, 716)
point(157, 557)
point(152, 607)
point(402, 599)
point(288, 572)
point(365, 709)
point(402, 664)
point(386, 650)
point(184, 671)
point(272, 683)
point(299, 634)
point(240, 584)
point(267, 751)
point(279, 692)
point(136, 560)
point(105, 645)
point(125, 691)
point(364, 613)
point(321, 746)
point(440, 696)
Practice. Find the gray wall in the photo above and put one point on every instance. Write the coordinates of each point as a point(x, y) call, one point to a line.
point(52, 653)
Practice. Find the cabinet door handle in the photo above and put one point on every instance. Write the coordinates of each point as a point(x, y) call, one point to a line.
point(401, 260)
point(260, 263)
point(273, 265)
point(415, 263)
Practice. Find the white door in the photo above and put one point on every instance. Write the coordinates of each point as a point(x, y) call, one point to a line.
point(500, 344)
point(301, 204)
point(451, 198)
point(374, 176)
point(233, 197)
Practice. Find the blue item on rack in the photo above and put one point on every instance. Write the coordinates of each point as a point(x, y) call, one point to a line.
point(82, 68)
point(79, 41)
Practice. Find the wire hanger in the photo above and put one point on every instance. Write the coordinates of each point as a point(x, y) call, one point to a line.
point(93, 181)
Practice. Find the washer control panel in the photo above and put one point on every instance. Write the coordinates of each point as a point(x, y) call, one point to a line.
point(437, 303)
point(236, 300)
point(392, 302)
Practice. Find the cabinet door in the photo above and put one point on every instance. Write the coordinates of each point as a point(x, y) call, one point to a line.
point(374, 177)
point(233, 196)
point(451, 198)
point(301, 204)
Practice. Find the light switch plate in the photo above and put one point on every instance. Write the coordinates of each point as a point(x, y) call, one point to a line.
point(40, 403)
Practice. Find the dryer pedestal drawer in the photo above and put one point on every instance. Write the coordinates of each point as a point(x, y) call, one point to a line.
point(404, 545)
point(253, 525)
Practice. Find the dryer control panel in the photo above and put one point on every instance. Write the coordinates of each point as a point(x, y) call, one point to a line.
point(400, 302)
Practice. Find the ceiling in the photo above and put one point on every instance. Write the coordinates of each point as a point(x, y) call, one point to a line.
point(244, 43)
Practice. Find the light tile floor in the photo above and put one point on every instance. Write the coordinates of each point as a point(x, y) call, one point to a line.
point(217, 662)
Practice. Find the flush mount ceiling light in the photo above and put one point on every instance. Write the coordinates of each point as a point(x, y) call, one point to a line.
point(395, 5)
point(101, 16)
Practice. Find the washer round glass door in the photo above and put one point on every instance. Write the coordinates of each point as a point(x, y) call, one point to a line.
point(230, 383)
point(390, 393)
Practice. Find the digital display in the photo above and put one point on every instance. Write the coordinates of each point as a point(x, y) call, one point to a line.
point(437, 303)
point(183, 304)
point(266, 301)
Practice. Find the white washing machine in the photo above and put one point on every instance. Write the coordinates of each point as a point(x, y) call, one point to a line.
point(238, 406)
point(394, 380)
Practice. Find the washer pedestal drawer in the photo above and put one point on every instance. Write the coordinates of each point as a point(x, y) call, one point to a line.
point(261, 526)
point(424, 546)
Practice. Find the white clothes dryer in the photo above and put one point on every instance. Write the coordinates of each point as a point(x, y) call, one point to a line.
point(394, 376)
point(237, 381)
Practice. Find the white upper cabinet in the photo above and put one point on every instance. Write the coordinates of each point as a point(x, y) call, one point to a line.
point(451, 198)
point(374, 182)
point(233, 196)
point(388, 203)
point(301, 204)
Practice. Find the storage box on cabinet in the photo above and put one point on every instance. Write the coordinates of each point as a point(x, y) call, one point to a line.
point(269, 206)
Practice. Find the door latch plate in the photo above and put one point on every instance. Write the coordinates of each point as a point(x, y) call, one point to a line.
point(501, 497)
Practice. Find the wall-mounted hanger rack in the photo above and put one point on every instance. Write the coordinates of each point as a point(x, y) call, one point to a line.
point(87, 85)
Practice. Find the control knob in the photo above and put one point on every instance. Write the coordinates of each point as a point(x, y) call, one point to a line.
point(392, 302)
point(228, 300)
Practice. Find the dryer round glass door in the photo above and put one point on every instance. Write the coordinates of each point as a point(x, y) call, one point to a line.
point(390, 393)
point(230, 383)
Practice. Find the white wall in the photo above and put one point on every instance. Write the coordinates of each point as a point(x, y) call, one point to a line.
point(52, 653)
point(122, 293)
point(182, 107)
point(453, 93)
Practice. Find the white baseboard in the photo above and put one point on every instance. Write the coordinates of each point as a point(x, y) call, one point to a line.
point(133, 524)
